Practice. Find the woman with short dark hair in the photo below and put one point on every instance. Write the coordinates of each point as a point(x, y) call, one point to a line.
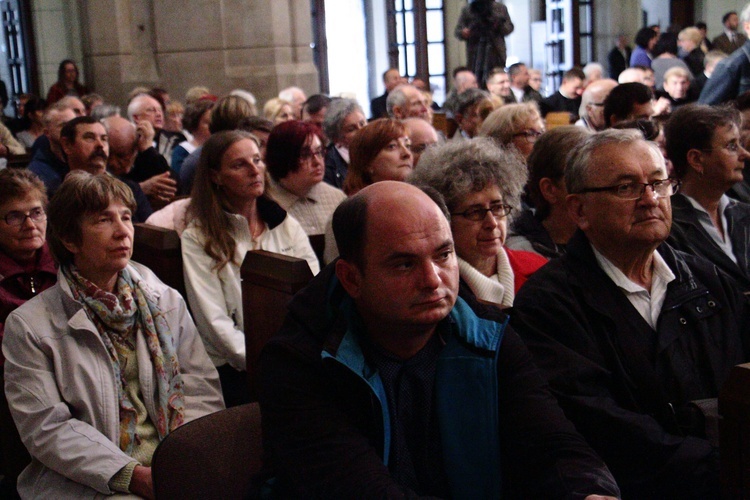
point(547, 229)
point(196, 119)
point(645, 40)
point(294, 157)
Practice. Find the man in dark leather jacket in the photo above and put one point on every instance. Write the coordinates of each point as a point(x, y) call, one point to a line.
point(630, 332)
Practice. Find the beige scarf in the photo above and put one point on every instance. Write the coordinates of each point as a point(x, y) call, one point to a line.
point(497, 289)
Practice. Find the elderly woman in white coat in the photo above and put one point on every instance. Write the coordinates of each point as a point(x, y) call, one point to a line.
point(106, 363)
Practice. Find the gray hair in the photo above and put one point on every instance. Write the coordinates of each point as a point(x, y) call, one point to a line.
point(507, 120)
point(579, 163)
point(396, 97)
point(458, 168)
point(105, 111)
point(745, 15)
point(469, 98)
point(337, 112)
point(591, 67)
point(288, 93)
point(136, 103)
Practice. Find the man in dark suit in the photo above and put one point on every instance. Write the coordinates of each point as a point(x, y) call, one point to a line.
point(568, 96)
point(731, 39)
point(391, 79)
point(619, 57)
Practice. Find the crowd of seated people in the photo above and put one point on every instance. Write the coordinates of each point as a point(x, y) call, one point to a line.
point(578, 289)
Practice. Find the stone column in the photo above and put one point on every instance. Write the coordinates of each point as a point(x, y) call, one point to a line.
point(256, 45)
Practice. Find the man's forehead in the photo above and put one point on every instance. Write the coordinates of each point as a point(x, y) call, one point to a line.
point(147, 101)
point(97, 128)
point(410, 233)
point(61, 116)
point(615, 160)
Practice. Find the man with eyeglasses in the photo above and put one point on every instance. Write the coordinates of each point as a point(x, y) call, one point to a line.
point(152, 161)
point(591, 111)
point(635, 338)
point(422, 135)
point(703, 143)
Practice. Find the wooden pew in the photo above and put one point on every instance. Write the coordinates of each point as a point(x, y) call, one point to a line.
point(160, 250)
point(442, 123)
point(557, 119)
point(19, 161)
point(734, 433)
point(269, 281)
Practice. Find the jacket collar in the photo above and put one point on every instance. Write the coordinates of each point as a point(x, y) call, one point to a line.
point(44, 263)
point(737, 216)
point(586, 271)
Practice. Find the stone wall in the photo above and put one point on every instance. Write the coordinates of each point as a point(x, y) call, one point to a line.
point(255, 45)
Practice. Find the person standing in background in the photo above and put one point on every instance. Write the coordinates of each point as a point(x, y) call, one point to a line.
point(484, 24)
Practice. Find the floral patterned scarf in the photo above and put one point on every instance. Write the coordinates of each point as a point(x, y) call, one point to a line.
point(122, 316)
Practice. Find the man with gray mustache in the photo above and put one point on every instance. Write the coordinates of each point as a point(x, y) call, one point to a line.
point(86, 145)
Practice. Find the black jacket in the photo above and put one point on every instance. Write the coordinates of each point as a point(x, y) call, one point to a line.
point(378, 108)
point(323, 428)
point(618, 380)
point(689, 236)
point(148, 163)
point(336, 168)
point(618, 63)
point(529, 227)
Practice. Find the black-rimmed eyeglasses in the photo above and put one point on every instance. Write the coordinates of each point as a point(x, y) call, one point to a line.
point(477, 214)
point(634, 190)
point(17, 218)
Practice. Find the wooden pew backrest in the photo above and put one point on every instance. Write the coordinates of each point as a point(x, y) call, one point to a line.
point(160, 250)
point(734, 433)
point(269, 281)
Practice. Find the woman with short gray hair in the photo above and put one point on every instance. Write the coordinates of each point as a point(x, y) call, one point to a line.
point(516, 125)
point(342, 120)
point(482, 184)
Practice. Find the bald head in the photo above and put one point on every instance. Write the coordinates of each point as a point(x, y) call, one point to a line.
point(592, 103)
point(74, 104)
point(123, 144)
point(406, 101)
point(631, 75)
point(422, 135)
point(54, 119)
point(402, 271)
point(353, 217)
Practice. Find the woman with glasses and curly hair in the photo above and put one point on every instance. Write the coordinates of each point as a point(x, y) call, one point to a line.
point(481, 184)
point(516, 125)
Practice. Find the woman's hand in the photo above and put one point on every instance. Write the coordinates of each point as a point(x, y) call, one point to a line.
point(142, 483)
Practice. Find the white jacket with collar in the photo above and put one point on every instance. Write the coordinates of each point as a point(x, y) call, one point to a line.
point(216, 297)
point(62, 393)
